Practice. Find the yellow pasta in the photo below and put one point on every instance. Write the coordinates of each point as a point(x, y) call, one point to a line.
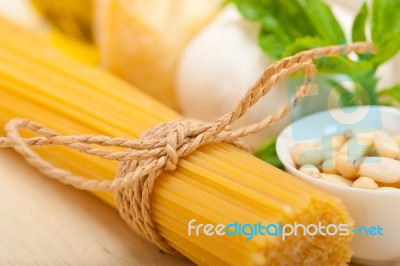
point(217, 184)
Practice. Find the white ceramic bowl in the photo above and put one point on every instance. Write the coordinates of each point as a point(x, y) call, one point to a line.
point(367, 207)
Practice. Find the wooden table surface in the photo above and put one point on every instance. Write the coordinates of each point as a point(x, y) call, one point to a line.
point(43, 222)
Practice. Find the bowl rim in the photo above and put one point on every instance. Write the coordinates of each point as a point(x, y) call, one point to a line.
point(282, 152)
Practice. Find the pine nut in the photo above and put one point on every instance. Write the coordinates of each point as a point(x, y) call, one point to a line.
point(357, 147)
point(365, 182)
point(333, 142)
point(380, 169)
point(306, 154)
point(329, 154)
point(368, 135)
point(345, 166)
point(329, 167)
point(336, 179)
point(310, 170)
point(386, 146)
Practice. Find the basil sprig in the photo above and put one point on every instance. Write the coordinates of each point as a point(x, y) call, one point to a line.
point(290, 26)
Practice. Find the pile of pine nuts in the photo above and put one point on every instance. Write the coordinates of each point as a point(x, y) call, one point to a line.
point(369, 160)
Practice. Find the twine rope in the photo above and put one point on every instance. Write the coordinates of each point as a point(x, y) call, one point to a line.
point(160, 148)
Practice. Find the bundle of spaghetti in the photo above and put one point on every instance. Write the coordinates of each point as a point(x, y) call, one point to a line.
point(216, 184)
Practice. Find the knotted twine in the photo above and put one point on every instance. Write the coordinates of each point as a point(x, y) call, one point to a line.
point(160, 148)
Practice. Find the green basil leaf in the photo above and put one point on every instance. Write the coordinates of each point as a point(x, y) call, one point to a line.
point(343, 65)
point(389, 47)
point(366, 83)
point(271, 45)
point(390, 96)
point(251, 9)
point(385, 29)
point(358, 28)
point(267, 153)
point(322, 18)
point(301, 44)
point(282, 22)
point(364, 92)
point(292, 18)
point(385, 19)
point(272, 26)
point(346, 97)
